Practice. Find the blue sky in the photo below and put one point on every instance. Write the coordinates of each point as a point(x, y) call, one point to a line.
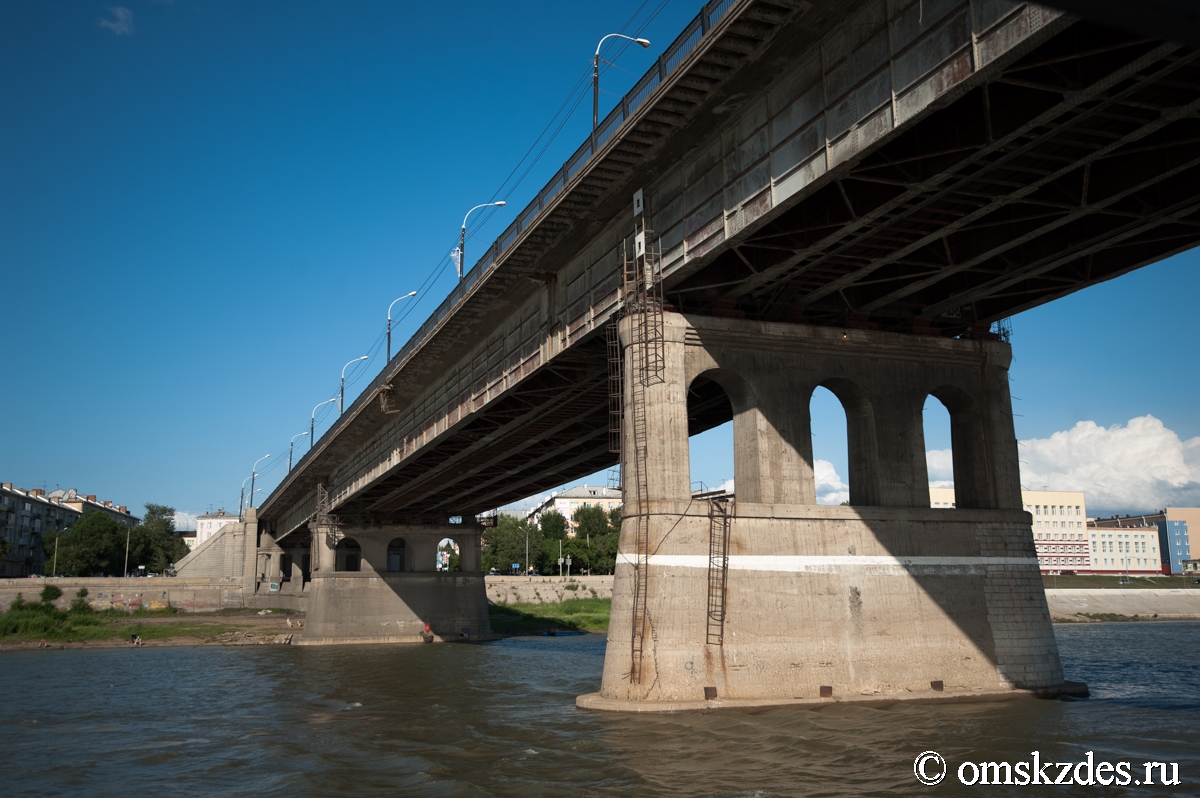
point(207, 208)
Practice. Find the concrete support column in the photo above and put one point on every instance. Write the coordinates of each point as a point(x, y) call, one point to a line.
point(468, 551)
point(664, 403)
point(326, 549)
point(778, 438)
point(375, 551)
point(423, 552)
point(250, 566)
point(903, 474)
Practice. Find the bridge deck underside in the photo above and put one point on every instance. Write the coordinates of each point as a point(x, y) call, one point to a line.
point(1077, 163)
point(1070, 165)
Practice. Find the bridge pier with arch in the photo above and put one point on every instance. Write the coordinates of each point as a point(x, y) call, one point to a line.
point(883, 598)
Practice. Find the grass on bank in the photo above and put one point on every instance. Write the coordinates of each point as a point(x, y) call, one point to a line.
point(35, 620)
point(572, 615)
point(1098, 581)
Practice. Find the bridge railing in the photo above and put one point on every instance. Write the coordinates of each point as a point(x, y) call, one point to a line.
point(671, 58)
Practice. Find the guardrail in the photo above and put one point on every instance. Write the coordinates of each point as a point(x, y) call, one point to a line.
point(671, 58)
point(693, 33)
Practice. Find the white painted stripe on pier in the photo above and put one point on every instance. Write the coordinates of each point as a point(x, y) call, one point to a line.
point(832, 563)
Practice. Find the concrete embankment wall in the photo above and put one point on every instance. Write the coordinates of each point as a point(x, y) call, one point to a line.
point(1144, 603)
point(189, 595)
point(546, 589)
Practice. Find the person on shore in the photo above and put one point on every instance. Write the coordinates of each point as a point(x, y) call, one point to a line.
point(43, 643)
point(427, 634)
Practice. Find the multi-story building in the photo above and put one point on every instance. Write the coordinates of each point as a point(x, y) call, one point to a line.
point(25, 516)
point(208, 524)
point(568, 501)
point(1059, 526)
point(1067, 540)
point(1172, 525)
point(1131, 549)
point(88, 504)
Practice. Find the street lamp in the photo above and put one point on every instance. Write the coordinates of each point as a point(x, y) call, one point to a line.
point(462, 236)
point(290, 445)
point(312, 422)
point(394, 301)
point(342, 390)
point(242, 496)
point(596, 74)
point(253, 474)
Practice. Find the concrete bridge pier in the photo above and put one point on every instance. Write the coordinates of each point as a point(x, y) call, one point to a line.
point(380, 584)
point(884, 599)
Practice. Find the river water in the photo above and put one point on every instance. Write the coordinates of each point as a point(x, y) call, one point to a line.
point(499, 719)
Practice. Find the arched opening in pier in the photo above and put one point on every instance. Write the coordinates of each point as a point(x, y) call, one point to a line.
point(939, 453)
point(396, 555)
point(830, 460)
point(449, 555)
point(852, 428)
point(710, 437)
point(969, 457)
point(348, 555)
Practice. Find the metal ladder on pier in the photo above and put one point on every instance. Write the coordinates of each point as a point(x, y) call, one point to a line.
point(641, 294)
point(720, 518)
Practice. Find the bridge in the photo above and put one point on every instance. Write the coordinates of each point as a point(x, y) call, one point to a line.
point(848, 193)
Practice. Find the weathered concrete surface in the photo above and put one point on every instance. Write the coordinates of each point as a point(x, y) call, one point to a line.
point(188, 595)
point(546, 589)
point(376, 608)
point(877, 599)
point(390, 599)
point(926, 696)
point(1166, 604)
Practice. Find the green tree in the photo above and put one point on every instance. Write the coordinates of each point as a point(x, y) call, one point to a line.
point(553, 525)
point(94, 544)
point(50, 593)
point(594, 547)
point(453, 562)
point(504, 544)
point(154, 543)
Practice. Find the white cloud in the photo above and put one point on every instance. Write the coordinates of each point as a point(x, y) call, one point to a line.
point(940, 463)
point(830, 487)
point(185, 520)
point(1132, 468)
point(122, 24)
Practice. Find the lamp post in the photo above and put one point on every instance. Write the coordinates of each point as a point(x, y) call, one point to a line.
point(290, 445)
point(389, 336)
point(462, 236)
point(253, 474)
point(242, 496)
point(54, 569)
point(312, 422)
point(596, 73)
point(342, 390)
point(128, 529)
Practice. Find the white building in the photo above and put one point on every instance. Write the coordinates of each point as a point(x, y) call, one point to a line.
point(208, 524)
point(568, 501)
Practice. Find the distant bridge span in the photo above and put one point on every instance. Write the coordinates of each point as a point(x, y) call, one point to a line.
point(930, 171)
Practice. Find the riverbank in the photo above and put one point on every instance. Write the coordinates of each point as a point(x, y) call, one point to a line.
point(239, 627)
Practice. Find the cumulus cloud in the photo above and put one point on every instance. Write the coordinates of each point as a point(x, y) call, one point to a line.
point(940, 463)
point(830, 487)
point(1134, 467)
point(1130, 468)
point(185, 520)
point(122, 22)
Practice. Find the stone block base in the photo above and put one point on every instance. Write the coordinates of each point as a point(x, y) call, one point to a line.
point(598, 702)
point(367, 607)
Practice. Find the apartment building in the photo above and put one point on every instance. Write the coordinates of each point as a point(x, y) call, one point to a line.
point(568, 501)
point(1172, 526)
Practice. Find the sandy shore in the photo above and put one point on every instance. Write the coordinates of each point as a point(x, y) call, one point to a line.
point(194, 630)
